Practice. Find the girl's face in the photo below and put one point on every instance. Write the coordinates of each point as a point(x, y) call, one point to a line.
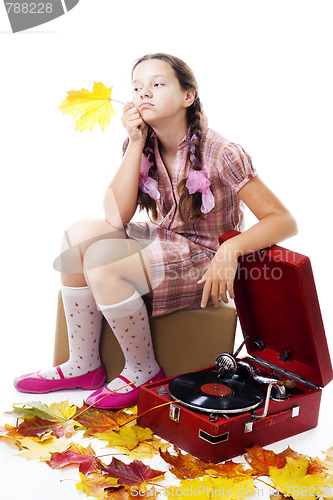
point(157, 93)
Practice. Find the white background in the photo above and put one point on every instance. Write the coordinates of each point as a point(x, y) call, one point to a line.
point(265, 75)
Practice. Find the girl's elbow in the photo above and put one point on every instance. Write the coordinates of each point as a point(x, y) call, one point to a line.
point(291, 225)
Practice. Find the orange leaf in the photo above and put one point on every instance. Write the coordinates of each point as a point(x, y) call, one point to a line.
point(260, 460)
point(184, 466)
point(288, 452)
point(315, 467)
point(95, 420)
point(188, 467)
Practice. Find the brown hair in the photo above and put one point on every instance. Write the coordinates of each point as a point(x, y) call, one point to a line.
point(189, 205)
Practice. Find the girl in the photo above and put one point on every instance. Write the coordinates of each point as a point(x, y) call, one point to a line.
point(192, 182)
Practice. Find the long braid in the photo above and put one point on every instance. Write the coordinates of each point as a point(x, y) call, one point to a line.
point(145, 202)
point(190, 204)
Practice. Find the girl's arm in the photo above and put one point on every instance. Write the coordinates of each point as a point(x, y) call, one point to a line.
point(275, 224)
point(120, 201)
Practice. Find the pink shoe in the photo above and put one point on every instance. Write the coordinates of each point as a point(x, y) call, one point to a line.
point(110, 400)
point(34, 383)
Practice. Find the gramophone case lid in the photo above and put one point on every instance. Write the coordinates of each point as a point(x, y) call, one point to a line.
point(279, 312)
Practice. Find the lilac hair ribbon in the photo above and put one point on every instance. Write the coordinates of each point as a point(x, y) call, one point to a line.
point(197, 182)
point(146, 183)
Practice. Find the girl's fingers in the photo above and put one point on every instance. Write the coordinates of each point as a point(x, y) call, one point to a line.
point(223, 292)
point(205, 293)
point(230, 288)
point(127, 106)
point(215, 293)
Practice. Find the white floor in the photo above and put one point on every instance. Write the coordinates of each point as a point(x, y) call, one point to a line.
point(20, 478)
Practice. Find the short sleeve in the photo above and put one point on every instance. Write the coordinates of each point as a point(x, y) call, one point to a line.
point(235, 167)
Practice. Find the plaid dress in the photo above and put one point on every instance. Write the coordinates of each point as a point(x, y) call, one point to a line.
point(180, 252)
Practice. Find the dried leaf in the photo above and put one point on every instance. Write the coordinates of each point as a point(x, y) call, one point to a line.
point(63, 410)
point(211, 488)
point(89, 108)
point(125, 494)
point(56, 411)
point(185, 466)
point(96, 485)
point(76, 454)
point(126, 437)
point(316, 467)
point(293, 480)
point(260, 460)
point(37, 427)
point(288, 452)
point(42, 449)
point(132, 474)
point(9, 433)
point(95, 420)
point(328, 461)
point(145, 449)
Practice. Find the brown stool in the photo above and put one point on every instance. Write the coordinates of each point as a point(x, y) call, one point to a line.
point(183, 340)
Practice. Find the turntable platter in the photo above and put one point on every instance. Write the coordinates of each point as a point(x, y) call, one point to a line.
point(206, 392)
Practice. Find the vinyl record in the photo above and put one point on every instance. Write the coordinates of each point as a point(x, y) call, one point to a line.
point(206, 392)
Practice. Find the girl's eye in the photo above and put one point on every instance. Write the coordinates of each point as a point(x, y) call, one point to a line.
point(136, 89)
point(158, 84)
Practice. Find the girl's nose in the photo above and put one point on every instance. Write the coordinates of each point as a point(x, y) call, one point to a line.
point(145, 93)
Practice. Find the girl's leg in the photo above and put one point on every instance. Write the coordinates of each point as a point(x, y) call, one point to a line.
point(84, 319)
point(118, 288)
point(78, 300)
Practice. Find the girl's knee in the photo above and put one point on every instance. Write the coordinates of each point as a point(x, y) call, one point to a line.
point(84, 229)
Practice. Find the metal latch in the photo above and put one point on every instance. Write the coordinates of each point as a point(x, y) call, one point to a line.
point(174, 413)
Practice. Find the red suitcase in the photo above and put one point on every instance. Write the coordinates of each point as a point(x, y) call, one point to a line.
point(279, 313)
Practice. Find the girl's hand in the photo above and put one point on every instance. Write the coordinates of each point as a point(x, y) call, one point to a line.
point(219, 277)
point(135, 126)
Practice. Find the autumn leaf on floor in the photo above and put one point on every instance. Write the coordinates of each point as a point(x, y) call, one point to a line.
point(37, 427)
point(135, 473)
point(295, 481)
point(78, 455)
point(185, 466)
point(89, 108)
point(328, 461)
point(97, 485)
point(57, 412)
point(35, 448)
point(212, 488)
point(38, 419)
point(125, 437)
point(95, 420)
point(126, 494)
point(260, 460)
point(9, 433)
point(145, 449)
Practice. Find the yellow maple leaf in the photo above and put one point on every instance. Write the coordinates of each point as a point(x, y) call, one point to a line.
point(126, 437)
point(89, 108)
point(95, 485)
point(63, 410)
point(293, 480)
point(35, 448)
point(211, 488)
point(145, 449)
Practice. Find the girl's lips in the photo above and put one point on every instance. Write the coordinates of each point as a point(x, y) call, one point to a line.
point(146, 105)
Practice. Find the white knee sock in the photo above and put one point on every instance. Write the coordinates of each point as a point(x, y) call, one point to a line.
point(129, 322)
point(84, 323)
